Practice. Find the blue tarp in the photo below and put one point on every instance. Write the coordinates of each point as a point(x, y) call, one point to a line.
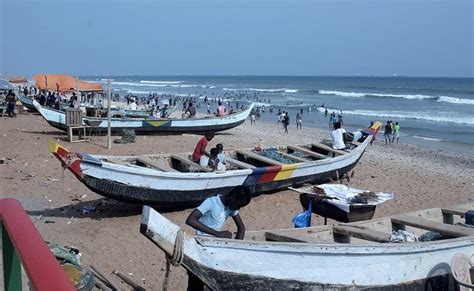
point(5, 85)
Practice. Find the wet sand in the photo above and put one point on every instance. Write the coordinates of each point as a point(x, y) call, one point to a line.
point(109, 237)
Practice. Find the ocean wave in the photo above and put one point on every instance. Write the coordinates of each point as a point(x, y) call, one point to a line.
point(278, 90)
point(446, 99)
point(160, 82)
point(410, 115)
point(427, 138)
point(455, 100)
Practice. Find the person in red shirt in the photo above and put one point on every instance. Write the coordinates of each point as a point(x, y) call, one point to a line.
point(200, 148)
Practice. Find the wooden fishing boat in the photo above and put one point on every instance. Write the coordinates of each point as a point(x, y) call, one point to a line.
point(173, 180)
point(351, 256)
point(57, 119)
point(28, 103)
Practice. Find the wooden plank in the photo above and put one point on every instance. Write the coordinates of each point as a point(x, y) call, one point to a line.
point(187, 161)
point(443, 228)
point(282, 236)
point(117, 161)
point(361, 232)
point(356, 143)
point(155, 164)
point(454, 210)
point(239, 163)
point(328, 148)
point(307, 151)
point(259, 157)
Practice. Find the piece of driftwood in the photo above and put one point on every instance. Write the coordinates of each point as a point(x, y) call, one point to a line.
point(104, 279)
point(129, 281)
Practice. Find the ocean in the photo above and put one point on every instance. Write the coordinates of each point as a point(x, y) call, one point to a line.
point(433, 112)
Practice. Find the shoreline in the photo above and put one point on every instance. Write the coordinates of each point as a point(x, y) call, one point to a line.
point(109, 236)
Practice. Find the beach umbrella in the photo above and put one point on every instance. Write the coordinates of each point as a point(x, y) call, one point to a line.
point(5, 85)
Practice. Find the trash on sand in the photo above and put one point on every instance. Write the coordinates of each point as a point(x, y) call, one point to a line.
point(83, 196)
point(88, 208)
point(39, 217)
point(53, 179)
point(50, 221)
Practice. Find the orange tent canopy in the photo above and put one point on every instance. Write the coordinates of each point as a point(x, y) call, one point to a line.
point(58, 82)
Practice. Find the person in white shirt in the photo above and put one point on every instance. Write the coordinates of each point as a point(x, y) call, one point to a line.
point(209, 218)
point(337, 136)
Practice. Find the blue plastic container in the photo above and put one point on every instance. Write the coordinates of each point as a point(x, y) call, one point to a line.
point(470, 217)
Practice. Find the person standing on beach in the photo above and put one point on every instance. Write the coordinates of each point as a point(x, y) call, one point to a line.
point(396, 132)
point(252, 116)
point(11, 103)
point(210, 217)
point(388, 133)
point(286, 122)
point(299, 121)
point(200, 149)
point(220, 109)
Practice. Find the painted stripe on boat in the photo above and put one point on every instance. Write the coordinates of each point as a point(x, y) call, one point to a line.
point(285, 172)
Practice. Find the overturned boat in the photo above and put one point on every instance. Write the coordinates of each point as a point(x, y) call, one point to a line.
point(174, 180)
point(57, 119)
point(368, 255)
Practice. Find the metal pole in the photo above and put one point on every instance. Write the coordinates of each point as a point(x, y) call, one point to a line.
point(77, 93)
point(109, 113)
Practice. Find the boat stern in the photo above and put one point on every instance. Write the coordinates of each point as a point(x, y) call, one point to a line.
point(69, 160)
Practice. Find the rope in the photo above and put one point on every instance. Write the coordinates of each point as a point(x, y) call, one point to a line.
point(176, 259)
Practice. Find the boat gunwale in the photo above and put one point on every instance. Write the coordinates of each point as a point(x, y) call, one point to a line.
point(40, 108)
point(229, 173)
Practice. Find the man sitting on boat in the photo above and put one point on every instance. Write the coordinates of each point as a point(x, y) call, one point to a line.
point(210, 217)
point(190, 111)
point(337, 136)
point(200, 155)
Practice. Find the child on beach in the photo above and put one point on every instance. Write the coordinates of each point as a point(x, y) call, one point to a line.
point(299, 121)
point(221, 154)
point(396, 132)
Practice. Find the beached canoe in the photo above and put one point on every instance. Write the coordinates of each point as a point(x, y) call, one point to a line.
point(352, 256)
point(28, 103)
point(57, 119)
point(173, 180)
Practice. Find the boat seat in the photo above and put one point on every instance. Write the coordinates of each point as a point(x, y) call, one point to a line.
point(361, 233)
point(157, 164)
point(399, 222)
point(356, 143)
point(239, 163)
point(328, 148)
point(307, 151)
point(259, 157)
point(461, 267)
point(449, 212)
point(116, 161)
point(187, 161)
point(284, 236)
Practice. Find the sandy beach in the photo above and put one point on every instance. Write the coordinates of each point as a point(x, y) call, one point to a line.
point(109, 237)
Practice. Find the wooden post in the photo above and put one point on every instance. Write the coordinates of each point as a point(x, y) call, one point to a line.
point(109, 114)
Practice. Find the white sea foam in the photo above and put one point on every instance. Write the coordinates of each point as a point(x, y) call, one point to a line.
point(160, 82)
point(455, 100)
point(411, 115)
point(277, 90)
point(446, 99)
point(427, 138)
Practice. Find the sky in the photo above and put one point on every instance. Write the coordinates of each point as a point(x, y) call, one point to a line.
point(260, 37)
